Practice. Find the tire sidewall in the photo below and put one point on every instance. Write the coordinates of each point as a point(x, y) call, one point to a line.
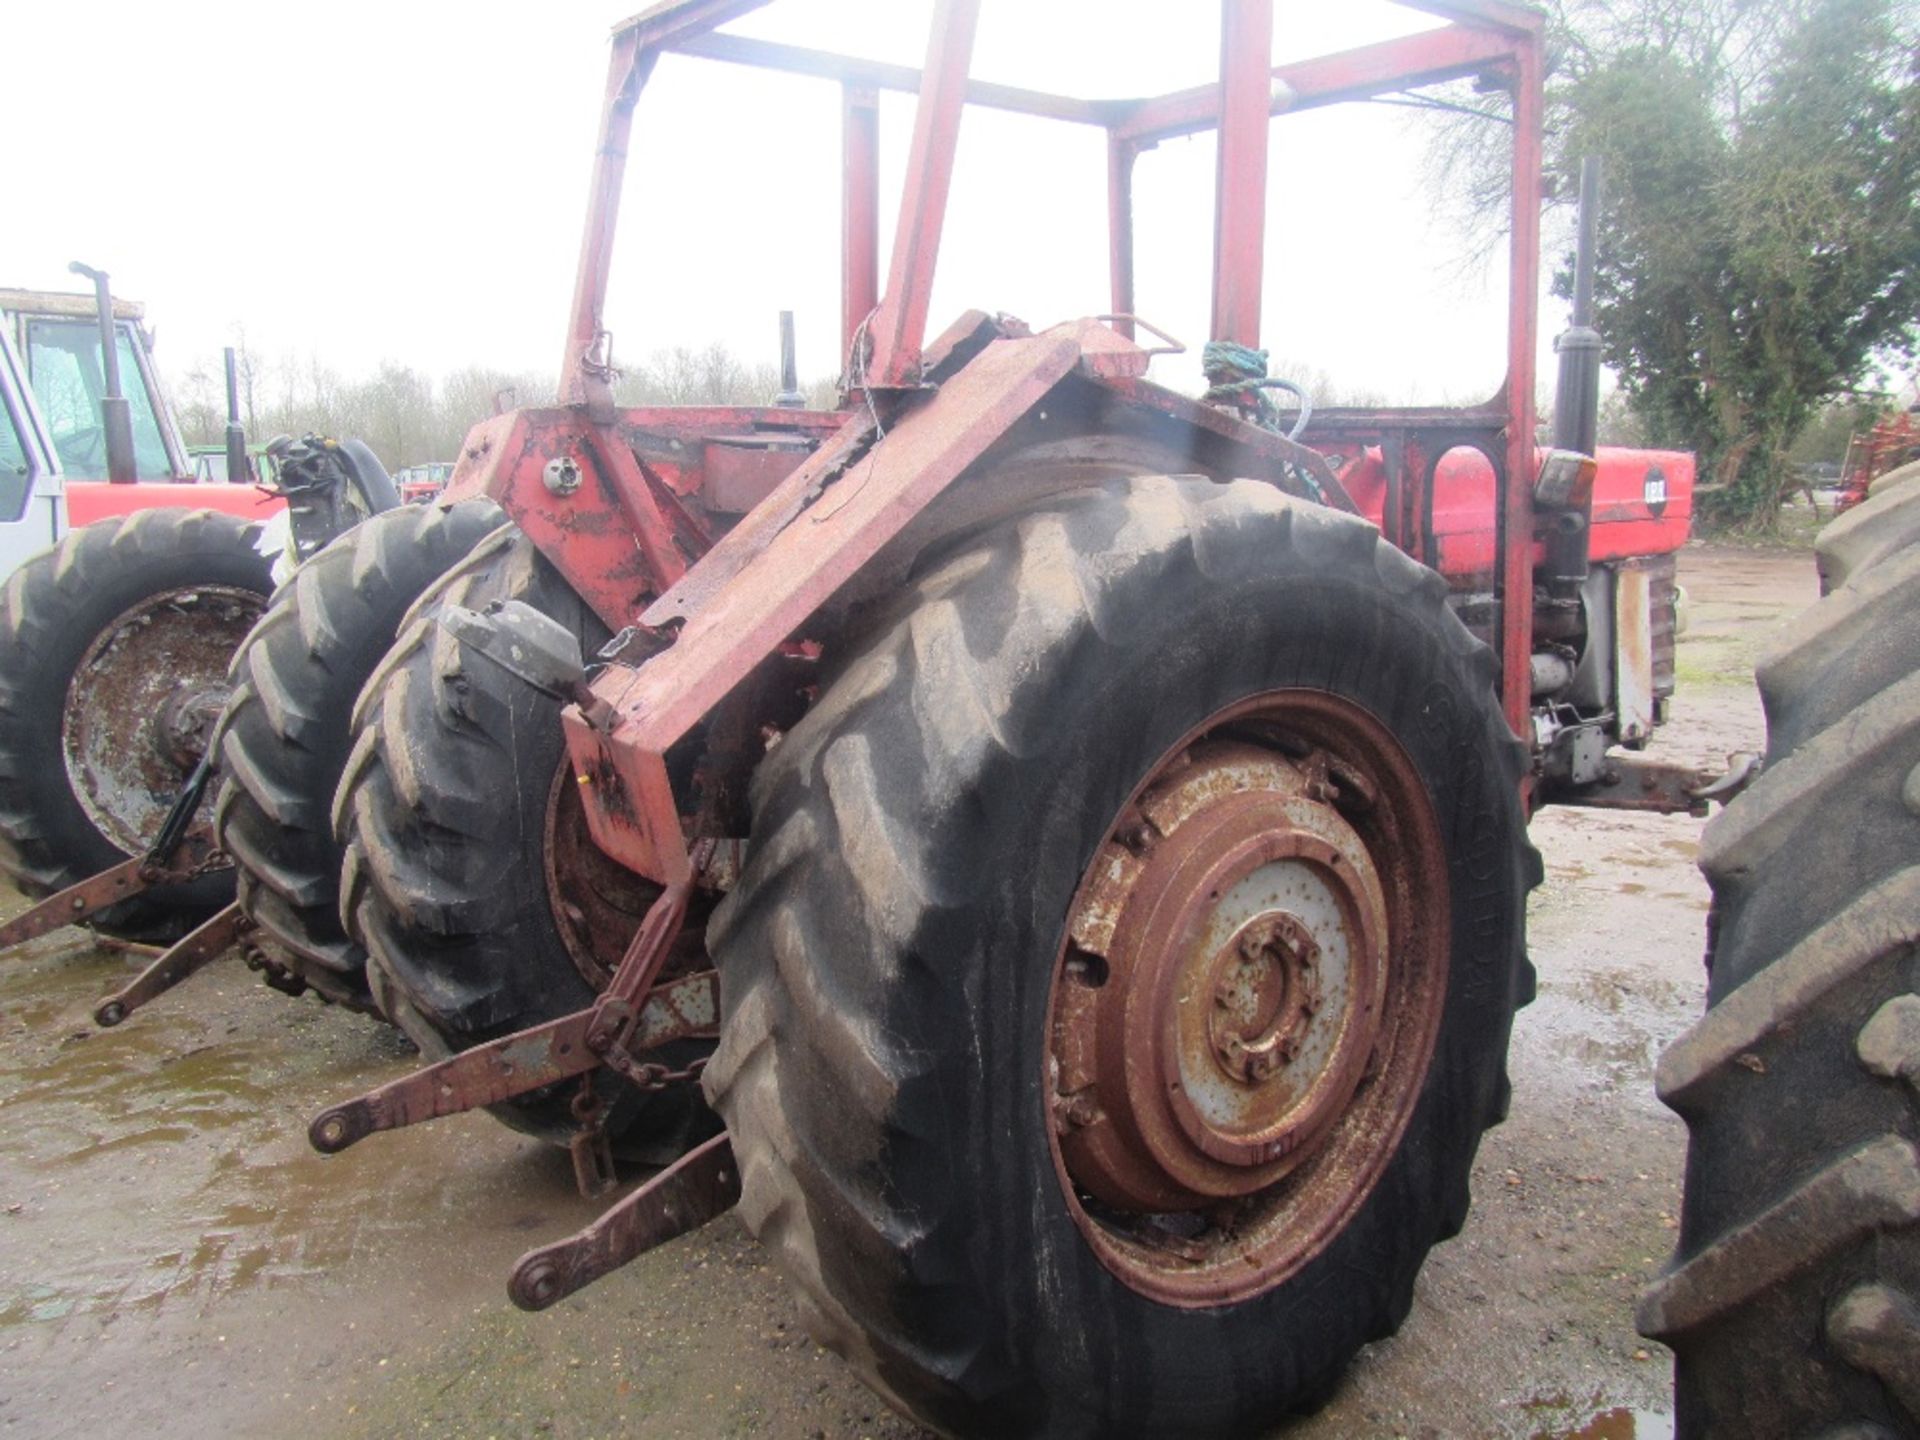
point(510, 745)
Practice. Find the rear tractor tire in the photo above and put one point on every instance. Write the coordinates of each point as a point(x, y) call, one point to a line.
point(114, 648)
point(1120, 979)
point(469, 879)
point(1793, 1302)
point(285, 734)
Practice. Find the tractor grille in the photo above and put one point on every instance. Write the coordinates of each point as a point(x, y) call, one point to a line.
point(1664, 598)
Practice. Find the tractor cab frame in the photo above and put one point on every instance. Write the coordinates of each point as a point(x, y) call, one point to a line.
point(641, 509)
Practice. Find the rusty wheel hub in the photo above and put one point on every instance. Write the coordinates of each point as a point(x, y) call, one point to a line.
point(1266, 993)
point(1244, 932)
point(184, 729)
point(1244, 963)
point(143, 702)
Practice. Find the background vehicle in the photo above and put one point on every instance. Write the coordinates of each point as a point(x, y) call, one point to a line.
point(420, 483)
point(115, 643)
point(57, 336)
point(211, 466)
point(1890, 444)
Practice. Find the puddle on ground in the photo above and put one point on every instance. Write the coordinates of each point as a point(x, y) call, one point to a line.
point(1561, 1417)
point(1619, 1422)
point(169, 1154)
point(1609, 1024)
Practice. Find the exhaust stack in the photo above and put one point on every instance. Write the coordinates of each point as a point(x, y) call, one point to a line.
point(239, 469)
point(1576, 412)
point(116, 413)
point(789, 397)
point(1576, 400)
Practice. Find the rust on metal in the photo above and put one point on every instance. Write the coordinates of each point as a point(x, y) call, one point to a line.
point(1514, 488)
point(615, 1020)
point(1121, 155)
point(142, 704)
point(1240, 188)
point(900, 323)
point(1633, 619)
point(588, 530)
point(620, 551)
point(779, 586)
point(873, 75)
point(703, 1183)
point(1634, 782)
point(191, 954)
point(852, 435)
point(1414, 60)
point(516, 1064)
point(597, 902)
point(1246, 921)
point(741, 473)
point(1246, 998)
point(79, 903)
point(859, 213)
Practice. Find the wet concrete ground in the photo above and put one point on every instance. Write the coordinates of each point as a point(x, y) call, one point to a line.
point(175, 1261)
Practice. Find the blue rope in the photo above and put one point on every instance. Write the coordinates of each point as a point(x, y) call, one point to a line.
point(1237, 375)
point(1234, 372)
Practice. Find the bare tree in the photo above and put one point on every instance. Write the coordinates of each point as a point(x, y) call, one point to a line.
point(410, 418)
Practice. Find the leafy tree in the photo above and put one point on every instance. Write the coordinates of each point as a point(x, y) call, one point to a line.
point(1760, 236)
point(1755, 269)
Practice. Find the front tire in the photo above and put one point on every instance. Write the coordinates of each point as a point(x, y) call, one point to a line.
point(929, 904)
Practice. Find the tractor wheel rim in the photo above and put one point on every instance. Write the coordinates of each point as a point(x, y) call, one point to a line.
point(143, 703)
point(597, 902)
point(1246, 998)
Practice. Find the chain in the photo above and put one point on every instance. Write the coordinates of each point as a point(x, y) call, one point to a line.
point(166, 874)
point(217, 859)
point(659, 1077)
point(588, 1109)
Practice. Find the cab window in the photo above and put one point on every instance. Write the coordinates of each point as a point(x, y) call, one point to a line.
point(63, 359)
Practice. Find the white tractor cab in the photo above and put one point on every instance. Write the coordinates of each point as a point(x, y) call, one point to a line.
point(58, 335)
point(33, 500)
point(82, 366)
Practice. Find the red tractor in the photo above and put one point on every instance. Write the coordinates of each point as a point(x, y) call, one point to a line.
point(1874, 455)
point(1091, 818)
point(1052, 849)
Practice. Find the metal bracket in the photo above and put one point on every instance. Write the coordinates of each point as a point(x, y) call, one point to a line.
point(534, 648)
point(519, 1063)
point(79, 903)
point(1656, 787)
point(195, 952)
point(699, 1185)
point(590, 1147)
point(177, 853)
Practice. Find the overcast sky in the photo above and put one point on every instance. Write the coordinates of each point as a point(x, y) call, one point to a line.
point(406, 180)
